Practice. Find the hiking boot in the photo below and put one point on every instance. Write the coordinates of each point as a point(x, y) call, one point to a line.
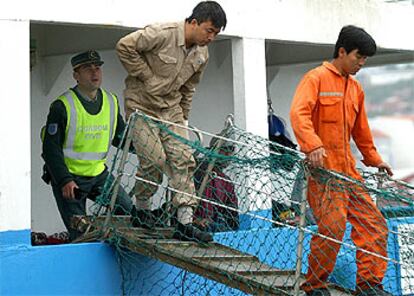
point(319, 292)
point(189, 232)
point(372, 291)
point(142, 218)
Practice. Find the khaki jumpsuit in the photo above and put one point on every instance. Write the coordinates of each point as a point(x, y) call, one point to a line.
point(327, 110)
point(162, 75)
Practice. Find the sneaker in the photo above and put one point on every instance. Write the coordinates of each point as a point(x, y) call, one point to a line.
point(319, 292)
point(189, 232)
point(373, 291)
point(142, 218)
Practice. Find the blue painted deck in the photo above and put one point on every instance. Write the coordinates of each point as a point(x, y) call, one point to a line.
point(93, 269)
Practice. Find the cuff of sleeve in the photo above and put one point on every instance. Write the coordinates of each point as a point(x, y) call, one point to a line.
point(306, 148)
point(64, 181)
point(372, 159)
point(145, 75)
point(374, 162)
point(313, 149)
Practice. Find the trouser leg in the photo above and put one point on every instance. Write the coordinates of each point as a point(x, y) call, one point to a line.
point(181, 163)
point(369, 232)
point(179, 166)
point(68, 209)
point(330, 210)
point(90, 186)
point(151, 157)
point(123, 203)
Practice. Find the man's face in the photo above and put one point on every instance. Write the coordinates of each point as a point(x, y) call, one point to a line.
point(88, 76)
point(352, 62)
point(203, 33)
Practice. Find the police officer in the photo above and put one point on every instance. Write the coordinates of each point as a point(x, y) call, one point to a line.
point(82, 124)
point(164, 64)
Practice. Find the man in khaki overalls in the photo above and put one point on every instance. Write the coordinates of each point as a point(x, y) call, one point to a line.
point(164, 64)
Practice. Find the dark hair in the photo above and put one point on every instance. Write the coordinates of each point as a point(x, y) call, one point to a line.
point(209, 11)
point(352, 37)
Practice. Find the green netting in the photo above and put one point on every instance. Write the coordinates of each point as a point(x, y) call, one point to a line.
point(249, 194)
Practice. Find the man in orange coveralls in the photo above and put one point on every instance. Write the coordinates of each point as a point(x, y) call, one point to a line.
point(328, 108)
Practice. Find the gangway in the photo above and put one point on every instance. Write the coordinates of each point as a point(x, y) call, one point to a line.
point(214, 261)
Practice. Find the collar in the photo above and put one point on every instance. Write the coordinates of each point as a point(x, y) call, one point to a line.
point(181, 34)
point(85, 98)
point(331, 67)
point(181, 39)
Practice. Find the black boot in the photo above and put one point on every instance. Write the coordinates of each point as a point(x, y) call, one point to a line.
point(189, 232)
point(142, 218)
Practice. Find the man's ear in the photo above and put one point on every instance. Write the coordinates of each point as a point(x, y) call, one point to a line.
point(75, 75)
point(194, 22)
point(342, 52)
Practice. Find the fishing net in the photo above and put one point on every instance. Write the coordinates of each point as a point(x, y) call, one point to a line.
point(263, 204)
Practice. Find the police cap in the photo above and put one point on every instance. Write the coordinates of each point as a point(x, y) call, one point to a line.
point(87, 57)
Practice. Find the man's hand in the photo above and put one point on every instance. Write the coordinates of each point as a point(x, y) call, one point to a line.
point(386, 167)
point(68, 190)
point(316, 157)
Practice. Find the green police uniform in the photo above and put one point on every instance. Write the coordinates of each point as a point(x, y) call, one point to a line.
point(89, 174)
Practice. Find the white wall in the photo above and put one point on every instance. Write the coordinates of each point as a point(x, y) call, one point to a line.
point(249, 80)
point(15, 126)
point(316, 21)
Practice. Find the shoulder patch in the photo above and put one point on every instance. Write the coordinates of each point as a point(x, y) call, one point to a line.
point(168, 25)
point(52, 129)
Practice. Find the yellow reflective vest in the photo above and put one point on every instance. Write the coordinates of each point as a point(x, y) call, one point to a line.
point(88, 137)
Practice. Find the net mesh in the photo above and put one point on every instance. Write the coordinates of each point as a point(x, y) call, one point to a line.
point(263, 204)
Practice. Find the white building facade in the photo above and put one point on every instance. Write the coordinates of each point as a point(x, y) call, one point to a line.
point(265, 49)
point(270, 45)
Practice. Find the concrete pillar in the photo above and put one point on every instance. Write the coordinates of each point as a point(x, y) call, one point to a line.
point(249, 85)
point(15, 145)
point(250, 113)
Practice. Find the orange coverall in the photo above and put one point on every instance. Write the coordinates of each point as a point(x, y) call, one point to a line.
point(327, 110)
